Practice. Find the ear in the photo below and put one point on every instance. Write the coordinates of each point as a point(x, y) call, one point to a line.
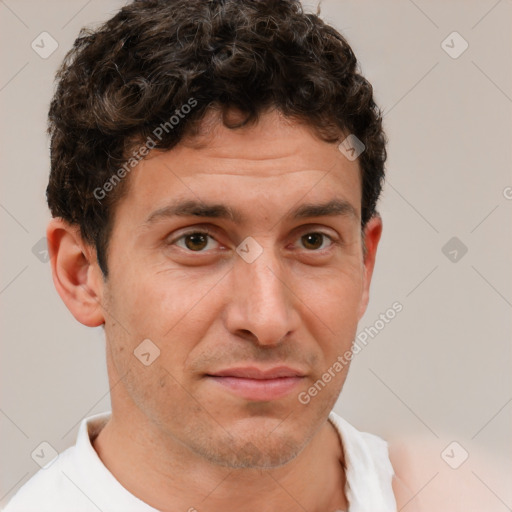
point(372, 232)
point(76, 273)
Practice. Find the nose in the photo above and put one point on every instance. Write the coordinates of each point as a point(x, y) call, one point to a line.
point(261, 307)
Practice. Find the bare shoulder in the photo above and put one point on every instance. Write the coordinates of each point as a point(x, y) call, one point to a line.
point(443, 474)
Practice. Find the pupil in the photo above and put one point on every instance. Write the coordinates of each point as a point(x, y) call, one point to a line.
point(312, 239)
point(198, 241)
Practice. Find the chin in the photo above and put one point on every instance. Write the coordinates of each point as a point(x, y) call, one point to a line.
point(258, 455)
point(250, 450)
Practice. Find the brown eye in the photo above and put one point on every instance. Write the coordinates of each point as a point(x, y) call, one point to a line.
point(313, 241)
point(196, 241)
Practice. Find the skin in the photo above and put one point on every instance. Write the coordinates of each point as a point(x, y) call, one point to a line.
point(425, 482)
point(177, 439)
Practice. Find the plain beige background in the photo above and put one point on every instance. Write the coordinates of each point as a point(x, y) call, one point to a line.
point(441, 369)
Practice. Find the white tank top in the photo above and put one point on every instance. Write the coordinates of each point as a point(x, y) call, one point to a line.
point(369, 471)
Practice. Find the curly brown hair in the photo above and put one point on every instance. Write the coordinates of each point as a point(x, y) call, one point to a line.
point(130, 75)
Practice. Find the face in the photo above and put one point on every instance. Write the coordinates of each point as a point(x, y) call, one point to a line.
point(240, 256)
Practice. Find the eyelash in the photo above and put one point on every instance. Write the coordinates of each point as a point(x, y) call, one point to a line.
point(205, 231)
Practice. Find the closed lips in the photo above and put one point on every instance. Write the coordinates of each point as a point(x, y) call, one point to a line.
point(257, 374)
point(257, 385)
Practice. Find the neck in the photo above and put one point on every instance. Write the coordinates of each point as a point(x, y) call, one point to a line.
point(168, 476)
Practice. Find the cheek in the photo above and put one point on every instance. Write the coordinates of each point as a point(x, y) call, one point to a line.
point(174, 311)
point(151, 304)
point(334, 295)
point(331, 312)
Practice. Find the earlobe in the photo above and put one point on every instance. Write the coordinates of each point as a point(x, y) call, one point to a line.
point(372, 234)
point(76, 274)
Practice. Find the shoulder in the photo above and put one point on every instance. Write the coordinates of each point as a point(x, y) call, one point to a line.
point(436, 474)
point(59, 486)
point(43, 490)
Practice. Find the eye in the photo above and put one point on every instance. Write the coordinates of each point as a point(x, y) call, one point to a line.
point(195, 241)
point(315, 241)
point(203, 241)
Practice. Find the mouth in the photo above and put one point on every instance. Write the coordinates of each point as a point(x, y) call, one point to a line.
point(257, 384)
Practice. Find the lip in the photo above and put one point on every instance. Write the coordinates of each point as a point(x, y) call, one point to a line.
point(251, 372)
point(258, 384)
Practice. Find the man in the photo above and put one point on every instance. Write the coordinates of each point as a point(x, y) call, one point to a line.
point(215, 168)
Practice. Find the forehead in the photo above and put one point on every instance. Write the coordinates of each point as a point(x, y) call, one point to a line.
point(274, 162)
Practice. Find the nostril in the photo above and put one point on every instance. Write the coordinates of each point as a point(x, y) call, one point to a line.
point(247, 335)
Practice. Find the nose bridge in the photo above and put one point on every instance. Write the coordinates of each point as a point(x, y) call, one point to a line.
point(261, 302)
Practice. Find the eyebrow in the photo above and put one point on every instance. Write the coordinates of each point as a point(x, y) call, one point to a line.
point(193, 208)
